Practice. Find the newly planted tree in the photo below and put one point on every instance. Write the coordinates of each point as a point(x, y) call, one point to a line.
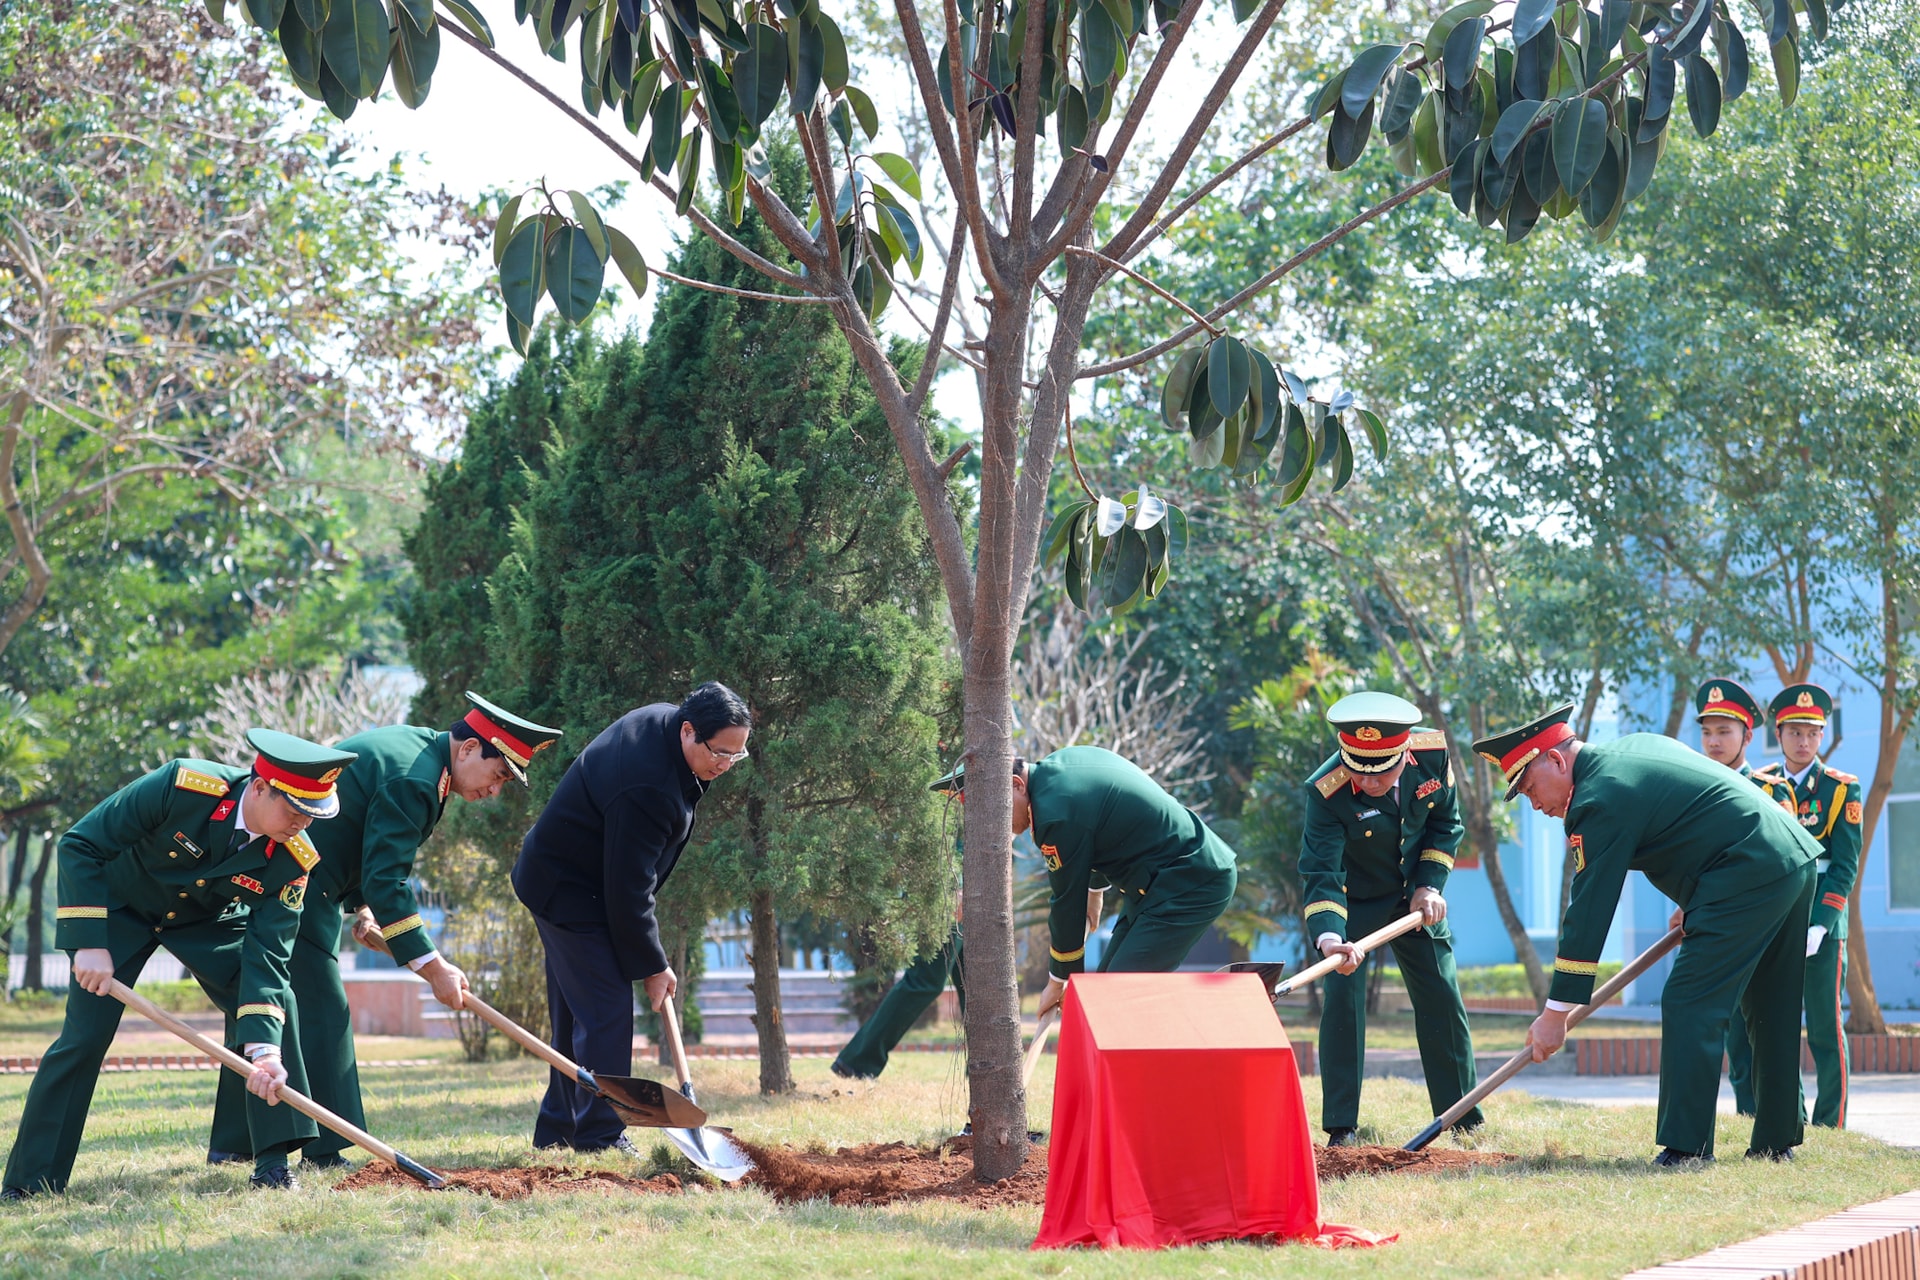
point(1035, 110)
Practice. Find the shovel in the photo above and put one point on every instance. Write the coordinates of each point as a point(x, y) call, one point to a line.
point(299, 1102)
point(1039, 1044)
point(712, 1149)
point(1368, 945)
point(646, 1103)
point(1270, 972)
point(1524, 1058)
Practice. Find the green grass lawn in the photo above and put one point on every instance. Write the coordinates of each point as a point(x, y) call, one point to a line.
point(1582, 1202)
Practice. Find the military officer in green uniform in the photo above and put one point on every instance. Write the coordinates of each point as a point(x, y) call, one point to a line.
point(1101, 822)
point(918, 986)
point(1382, 826)
point(210, 862)
point(1742, 874)
point(1727, 714)
point(390, 802)
point(1827, 803)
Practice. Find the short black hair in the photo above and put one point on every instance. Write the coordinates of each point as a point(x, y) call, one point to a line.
point(713, 707)
point(460, 731)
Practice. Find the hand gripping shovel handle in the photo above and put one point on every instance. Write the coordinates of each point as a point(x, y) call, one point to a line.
point(1368, 945)
point(1039, 1044)
point(1524, 1058)
point(299, 1102)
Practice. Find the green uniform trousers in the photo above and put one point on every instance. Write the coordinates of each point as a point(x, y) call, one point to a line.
point(1748, 950)
point(865, 1056)
point(1826, 982)
point(326, 1042)
point(1157, 926)
point(56, 1107)
point(1439, 1018)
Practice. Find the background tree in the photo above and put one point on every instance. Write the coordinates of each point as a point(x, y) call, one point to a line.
point(1586, 100)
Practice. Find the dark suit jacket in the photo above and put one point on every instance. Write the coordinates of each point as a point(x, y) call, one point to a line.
point(607, 840)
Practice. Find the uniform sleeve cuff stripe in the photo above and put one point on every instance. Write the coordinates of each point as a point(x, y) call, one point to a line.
point(1580, 968)
point(398, 927)
point(273, 1011)
point(1834, 899)
point(1067, 957)
point(1325, 904)
point(1434, 855)
point(80, 913)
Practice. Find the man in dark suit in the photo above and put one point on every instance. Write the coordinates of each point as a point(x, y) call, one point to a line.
point(589, 871)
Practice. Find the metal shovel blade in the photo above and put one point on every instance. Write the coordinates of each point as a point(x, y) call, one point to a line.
point(714, 1151)
point(648, 1103)
point(1270, 971)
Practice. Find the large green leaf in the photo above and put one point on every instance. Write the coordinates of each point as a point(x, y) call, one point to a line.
point(1659, 99)
point(266, 14)
point(417, 12)
point(574, 273)
point(522, 270)
point(313, 13)
point(664, 145)
point(1363, 78)
point(1513, 126)
point(470, 17)
point(413, 56)
point(1579, 142)
point(1405, 92)
point(1329, 95)
point(1437, 34)
point(626, 255)
point(1347, 137)
point(760, 73)
point(355, 45)
point(1530, 18)
point(1703, 95)
point(1735, 65)
point(338, 100)
point(1229, 374)
point(833, 60)
point(1462, 56)
point(1533, 64)
point(1265, 392)
point(1178, 387)
point(301, 45)
point(1536, 168)
point(1786, 68)
point(688, 174)
point(1376, 432)
point(1296, 448)
point(1641, 156)
point(1054, 541)
point(901, 170)
point(723, 106)
point(806, 60)
point(1342, 455)
point(1099, 44)
point(1073, 120)
point(589, 219)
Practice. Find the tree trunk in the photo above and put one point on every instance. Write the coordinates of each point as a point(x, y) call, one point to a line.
point(1475, 802)
point(36, 916)
point(1863, 1014)
point(19, 870)
point(776, 1068)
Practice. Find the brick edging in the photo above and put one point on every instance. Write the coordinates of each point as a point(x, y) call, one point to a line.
point(1640, 1055)
point(26, 1066)
point(1870, 1241)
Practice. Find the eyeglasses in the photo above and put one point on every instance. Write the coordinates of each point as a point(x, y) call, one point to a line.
point(731, 757)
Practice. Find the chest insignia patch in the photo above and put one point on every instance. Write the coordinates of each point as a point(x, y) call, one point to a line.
point(1426, 788)
point(1853, 812)
point(1370, 813)
point(180, 838)
point(221, 810)
point(249, 884)
point(294, 894)
point(1579, 846)
point(446, 785)
point(1052, 854)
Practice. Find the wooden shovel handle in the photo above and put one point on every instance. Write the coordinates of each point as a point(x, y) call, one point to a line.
point(525, 1039)
point(1524, 1058)
point(298, 1101)
point(1367, 945)
point(670, 1023)
point(1039, 1044)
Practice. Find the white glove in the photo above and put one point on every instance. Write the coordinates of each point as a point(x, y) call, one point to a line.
point(1816, 934)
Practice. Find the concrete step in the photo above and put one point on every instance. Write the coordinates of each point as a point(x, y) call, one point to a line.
point(795, 1023)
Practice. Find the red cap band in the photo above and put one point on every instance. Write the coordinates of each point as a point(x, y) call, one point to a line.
point(298, 784)
point(1551, 736)
point(1378, 744)
point(1733, 709)
point(476, 720)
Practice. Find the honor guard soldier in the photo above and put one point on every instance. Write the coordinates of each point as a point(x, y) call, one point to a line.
point(390, 802)
point(1828, 804)
point(1382, 826)
point(589, 871)
point(1727, 714)
point(1742, 873)
point(1101, 822)
point(163, 862)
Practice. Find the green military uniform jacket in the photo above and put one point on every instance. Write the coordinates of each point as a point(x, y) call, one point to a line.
point(1828, 804)
point(1101, 822)
point(161, 849)
point(1360, 846)
point(1696, 830)
point(390, 802)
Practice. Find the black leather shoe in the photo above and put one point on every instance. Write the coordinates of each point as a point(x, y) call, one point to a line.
point(227, 1157)
point(1342, 1137)
point(845, 1074)
point(1782, 1155)
point(624, 1145)
point(278, 1178)
point(1674, 1158)
point(332, 1161)
point(10, 1194)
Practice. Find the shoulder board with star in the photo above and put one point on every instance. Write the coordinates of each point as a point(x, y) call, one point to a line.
point(303, 851)
point(1339, 778)
point(206, 784)
point(1769, 773)
point(1839, 775)
point(1428, 740)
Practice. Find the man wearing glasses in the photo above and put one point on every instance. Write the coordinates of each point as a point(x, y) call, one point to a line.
point(590, 870)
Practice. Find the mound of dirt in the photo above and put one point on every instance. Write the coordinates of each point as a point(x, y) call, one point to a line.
point(517, 1183)
point(1335, 1163)
point(893, 1172)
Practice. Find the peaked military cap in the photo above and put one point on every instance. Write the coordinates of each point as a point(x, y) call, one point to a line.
point(1727, 698)
point(954, 781)
point(1511, 752)
point(304, 772)
point(1373, 730)
point(518, 741)
point(1802, 704)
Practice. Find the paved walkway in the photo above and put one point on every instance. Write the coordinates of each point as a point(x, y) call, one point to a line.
point(1886, 1107)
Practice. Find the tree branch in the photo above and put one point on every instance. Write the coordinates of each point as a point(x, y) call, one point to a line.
point(968, 192)
point(1078, 252)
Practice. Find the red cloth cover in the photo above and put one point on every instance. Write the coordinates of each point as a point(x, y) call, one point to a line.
point(1177, 1117)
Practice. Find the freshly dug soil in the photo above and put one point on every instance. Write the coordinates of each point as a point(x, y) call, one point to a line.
point(1335, 1163)
point(516, 1183)
point(893, 1172)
